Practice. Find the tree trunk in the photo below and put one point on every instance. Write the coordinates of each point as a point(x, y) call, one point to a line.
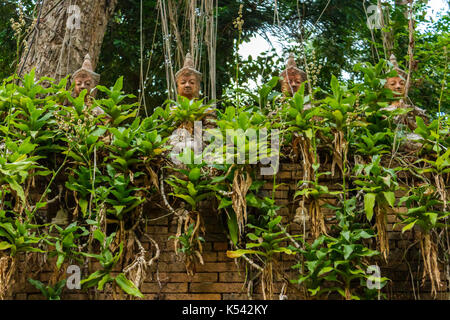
point(65, 32)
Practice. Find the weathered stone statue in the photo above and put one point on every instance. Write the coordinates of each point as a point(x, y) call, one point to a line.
point(86, 78)
point(397, 84)
point(292, 77)
point(188, 79)
point(188, 85)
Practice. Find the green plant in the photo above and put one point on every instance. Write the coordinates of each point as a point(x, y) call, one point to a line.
point(122, 195)
point(66, 243)
point(49, 292)
point(425, 211)
point(379, 185)
point(185, 110)
point(266, 243)
point(336, 264)
point(108, 260)
point(18, 236)
point(372, 144)
point(313, 191)
point(112, 107)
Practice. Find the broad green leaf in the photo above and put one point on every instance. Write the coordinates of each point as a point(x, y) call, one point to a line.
point(369, 203)
point(325, 270)
point(233, 228)
point(409, 226)
point(241, 252)
point(128, 286)
point(390, 198)
point(5, 245)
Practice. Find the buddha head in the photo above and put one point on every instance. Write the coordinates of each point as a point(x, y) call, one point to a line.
point(292, 77)
point(398, 83)
point(85, 78)
point(188, 79)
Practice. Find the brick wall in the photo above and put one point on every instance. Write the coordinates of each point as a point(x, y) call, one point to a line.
point(222, 278)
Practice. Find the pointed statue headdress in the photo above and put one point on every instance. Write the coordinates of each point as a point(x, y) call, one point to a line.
point(291, 68)
point(188, 67)
point(402, 73)
point(87, 68)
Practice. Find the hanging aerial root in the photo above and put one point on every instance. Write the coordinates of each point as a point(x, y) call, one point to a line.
point(241, 185)
point(194, 242)
point(429, 255)
point(7, 270)
point(267, 281)
point(339, 152)
point(307, 156)
point(380, 223)
point(137, 270)
point(440, 186)
point(317, 220)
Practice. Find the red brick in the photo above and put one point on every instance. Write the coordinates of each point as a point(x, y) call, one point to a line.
point(297, 174)
point(210, 256)
point(217, 267)
point(235, 296)
point(232, 277)
point(222, 256)
point(172, 287)
point(184, 277)
point(281, 194)
point(220, 246)
point(216, 287)
point(284, 175)
point(190, 296)
point(157, 229)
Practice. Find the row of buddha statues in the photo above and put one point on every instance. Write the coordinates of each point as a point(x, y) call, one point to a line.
point(188, 81)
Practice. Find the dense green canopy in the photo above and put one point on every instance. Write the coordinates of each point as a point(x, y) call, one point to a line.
point(335, 31)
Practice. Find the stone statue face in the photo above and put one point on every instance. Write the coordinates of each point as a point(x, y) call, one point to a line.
point(291, 84)
point(188, 86)
point(83, 81)
point(396, 84)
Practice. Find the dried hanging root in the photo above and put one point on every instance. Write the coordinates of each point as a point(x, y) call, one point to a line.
point(137, 270)
point(190, 259)
point(193, 241)
point(339, 152)
point(380, 222)
point(429, 255)
point(267, 281)
point(7, 270)
point(241, 185)
point(317, 220)
point(307, 156)
point(440, 186)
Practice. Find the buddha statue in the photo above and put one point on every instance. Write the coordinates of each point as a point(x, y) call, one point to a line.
point(86, 78)
point(397, 84)
point(188, 79)
point(411, 142)
point(292, 77)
